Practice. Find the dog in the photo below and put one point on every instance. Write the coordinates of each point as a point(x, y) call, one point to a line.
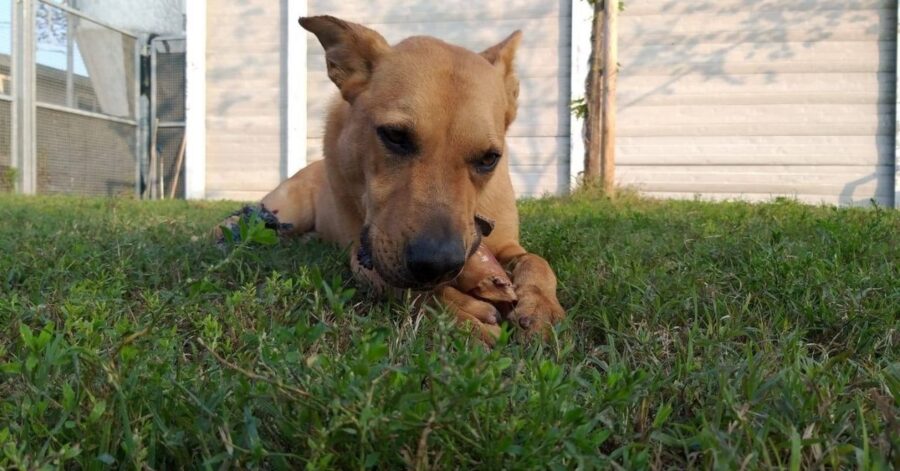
point(415, 172)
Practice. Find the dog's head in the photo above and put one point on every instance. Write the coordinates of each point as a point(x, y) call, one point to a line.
point(426, 125)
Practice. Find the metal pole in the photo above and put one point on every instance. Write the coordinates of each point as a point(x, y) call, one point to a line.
point(79, 14)
point(23, 114)
point(14, 93)
point(70, 60)
point(145, 119)
point(155, 177)
point(138, 117)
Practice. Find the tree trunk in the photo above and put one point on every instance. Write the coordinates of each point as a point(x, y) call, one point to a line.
point(594, 100)
point(610, 79)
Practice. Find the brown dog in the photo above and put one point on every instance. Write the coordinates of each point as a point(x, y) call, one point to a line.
point(414, 149)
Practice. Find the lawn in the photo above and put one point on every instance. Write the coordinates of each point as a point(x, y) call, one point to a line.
point(699, 335)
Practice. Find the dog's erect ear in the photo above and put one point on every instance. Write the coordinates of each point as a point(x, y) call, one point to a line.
point(351, 51)
point(501, 56)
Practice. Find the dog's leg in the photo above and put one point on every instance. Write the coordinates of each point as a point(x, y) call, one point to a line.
point(535, 283)
point(294, 200)
point(482, 318)
point(290, 208)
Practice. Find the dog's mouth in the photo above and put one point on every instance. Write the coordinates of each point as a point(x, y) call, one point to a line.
point(366, 258)
point(364, 254)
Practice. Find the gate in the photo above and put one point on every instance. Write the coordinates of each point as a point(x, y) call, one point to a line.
point(77, 94)
point(167, 117)
point(88, 108)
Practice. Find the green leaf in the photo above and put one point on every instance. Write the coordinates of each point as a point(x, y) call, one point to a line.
point(30, 362)
point(26, 334)
point(244, 228)
point(795, 450)
point(662, 415)
point(375, 352)
point(265, 236)
point(69, 452)
point(68, 401)
point(201, 287)
point(97, 411)
point(371, 460)
point(227, 234)
point(128, 353)
point(43, 338)
point(601, 436)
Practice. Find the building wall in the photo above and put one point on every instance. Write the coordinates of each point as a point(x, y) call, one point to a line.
point(754, 98)
point(538, 141)
point(724, 98)
point(245, 102)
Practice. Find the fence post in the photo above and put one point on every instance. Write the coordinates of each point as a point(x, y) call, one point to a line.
point(154, 172)
point(897, 122)
point(142, 114)
point(23, 110)
point(610, 78)
point(195, 101)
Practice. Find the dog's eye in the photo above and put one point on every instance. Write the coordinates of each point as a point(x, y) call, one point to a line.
point(397, 140)
point(487, 162)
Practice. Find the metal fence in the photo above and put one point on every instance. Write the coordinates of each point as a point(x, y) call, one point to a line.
point(167, 114)
point(83, 109)
point(8, 173)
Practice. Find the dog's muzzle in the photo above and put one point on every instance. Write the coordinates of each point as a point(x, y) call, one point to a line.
point(429, 261)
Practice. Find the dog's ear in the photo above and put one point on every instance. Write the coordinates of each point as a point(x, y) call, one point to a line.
point(351, 51)
point(501, 56)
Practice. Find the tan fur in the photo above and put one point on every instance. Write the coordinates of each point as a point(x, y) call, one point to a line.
point(459, 104)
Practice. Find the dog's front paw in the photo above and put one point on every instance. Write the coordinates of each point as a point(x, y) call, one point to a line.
point(478, 317)
point(536, 311)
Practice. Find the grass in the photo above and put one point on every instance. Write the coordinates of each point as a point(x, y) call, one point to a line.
point(699, 335)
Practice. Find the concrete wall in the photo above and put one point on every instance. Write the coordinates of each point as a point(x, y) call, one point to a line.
point(754, 98)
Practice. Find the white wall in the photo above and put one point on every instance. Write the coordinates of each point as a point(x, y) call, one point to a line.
point(754, 98)
point(246, 98)
point(538, 141)
point(724, 98)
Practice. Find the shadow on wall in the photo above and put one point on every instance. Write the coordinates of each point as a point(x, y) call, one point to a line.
point(243, 67)
point(762, 37)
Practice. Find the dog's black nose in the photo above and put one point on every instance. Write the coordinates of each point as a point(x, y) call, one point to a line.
point(433, 260)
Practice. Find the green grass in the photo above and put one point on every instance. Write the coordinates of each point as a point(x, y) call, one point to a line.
point(699, 335)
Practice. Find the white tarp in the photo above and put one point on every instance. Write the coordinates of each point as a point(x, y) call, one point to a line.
point(162, 17)
point(107, 56)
